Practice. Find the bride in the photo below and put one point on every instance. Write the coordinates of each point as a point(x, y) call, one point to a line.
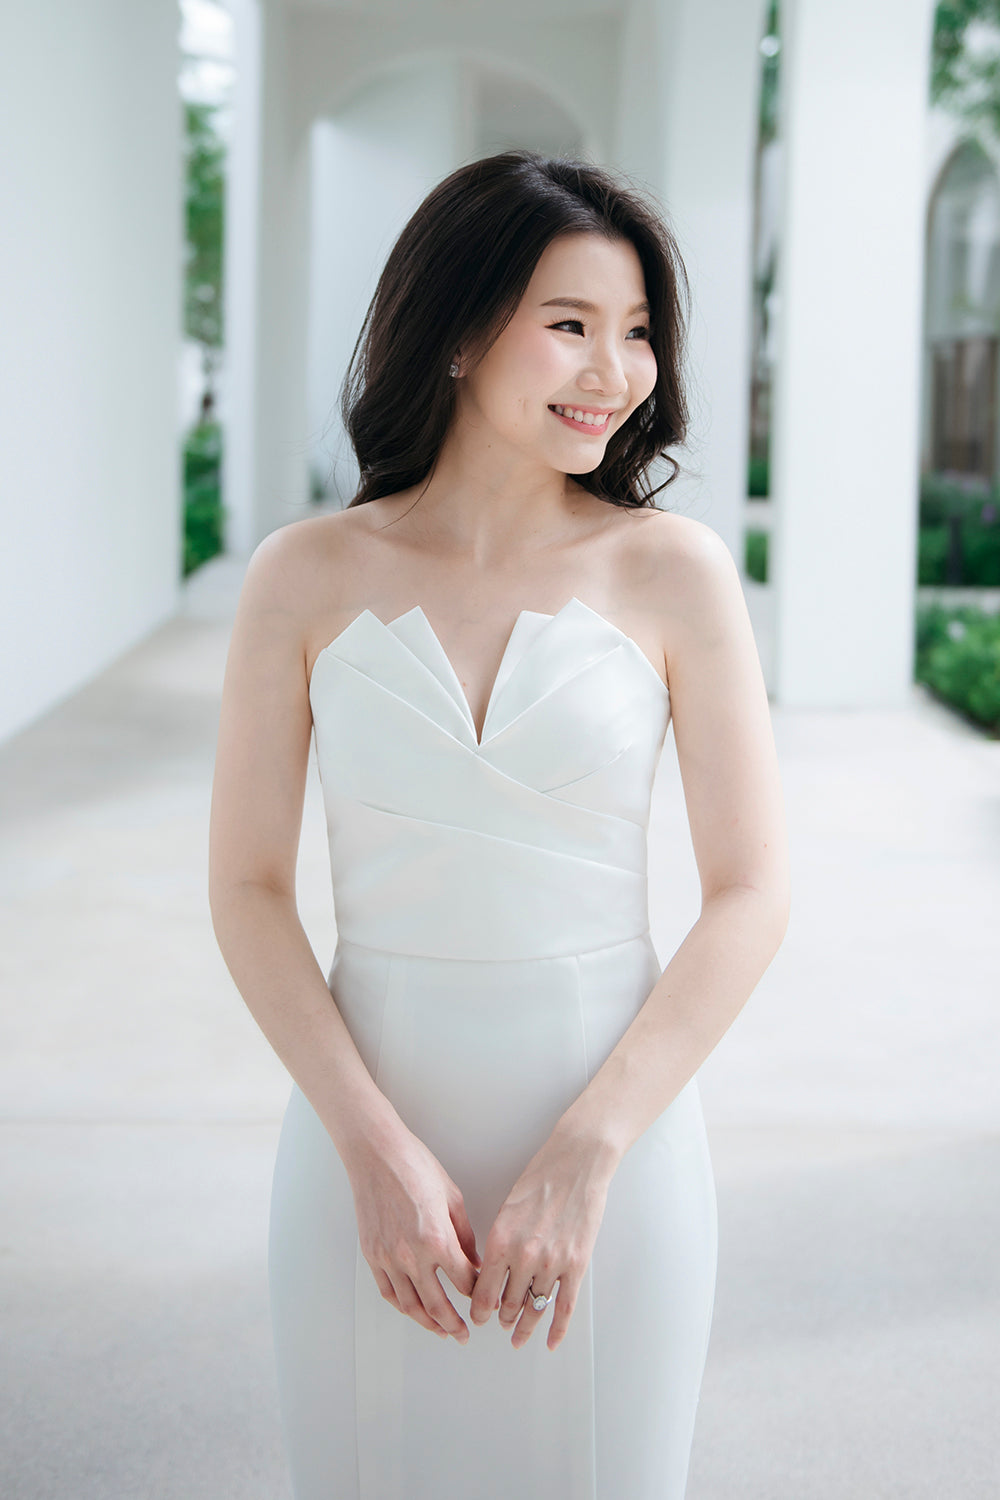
point(495, 1080)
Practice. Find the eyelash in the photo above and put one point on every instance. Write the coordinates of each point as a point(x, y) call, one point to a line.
point(576, 323)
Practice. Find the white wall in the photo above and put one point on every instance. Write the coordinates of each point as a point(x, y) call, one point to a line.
point(316, 65)
point(90, 271)
point(371, 167)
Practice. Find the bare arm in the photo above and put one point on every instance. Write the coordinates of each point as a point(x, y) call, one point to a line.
point(262, 754)
point(732, 790)
point(411, 1215)
point(549, 1223)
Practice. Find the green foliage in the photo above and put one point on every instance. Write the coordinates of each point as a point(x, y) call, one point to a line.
point(981, 555)
point(318, 485)
point(978, 553)
point(203, 320)
point(767, 120)
point(932, 554)
point(203, 512)
point(759, 480)
point(961, 522)
point(967, 82)
point(942, 498)
point(205, 215)
point(755, 556)
point(958, 657)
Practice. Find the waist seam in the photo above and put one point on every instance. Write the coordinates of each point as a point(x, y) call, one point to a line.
point(532, 958)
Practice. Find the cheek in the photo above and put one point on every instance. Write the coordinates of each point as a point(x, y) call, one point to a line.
point(534, 363)
point(642, 377)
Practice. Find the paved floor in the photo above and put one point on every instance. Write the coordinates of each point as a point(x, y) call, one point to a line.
point(853, 1111)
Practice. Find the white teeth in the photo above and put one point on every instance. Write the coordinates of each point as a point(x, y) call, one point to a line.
point(587, 418)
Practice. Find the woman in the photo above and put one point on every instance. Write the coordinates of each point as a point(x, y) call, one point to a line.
point(495, 1080)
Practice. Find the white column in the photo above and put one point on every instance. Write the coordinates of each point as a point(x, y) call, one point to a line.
point(241, 235)
point(281, 486)
point(688, 85)
point(844, 456)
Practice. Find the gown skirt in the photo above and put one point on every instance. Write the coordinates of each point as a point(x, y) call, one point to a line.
point(493, 946)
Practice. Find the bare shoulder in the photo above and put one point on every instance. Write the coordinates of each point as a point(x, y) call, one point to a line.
point(678, 550)
point(293, 571)
point(682, 571)
point(683, 583)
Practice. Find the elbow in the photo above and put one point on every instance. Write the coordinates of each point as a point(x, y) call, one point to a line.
point(777, 904)
point(231, 895)
point(771, 903)
point(782, 913)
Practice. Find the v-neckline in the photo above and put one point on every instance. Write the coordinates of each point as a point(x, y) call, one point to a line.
point(499, 676)
point(456, 691)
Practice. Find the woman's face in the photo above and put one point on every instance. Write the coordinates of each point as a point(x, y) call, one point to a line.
point(575, 360)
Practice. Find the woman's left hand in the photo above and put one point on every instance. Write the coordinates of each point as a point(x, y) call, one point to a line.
point(545, 1231)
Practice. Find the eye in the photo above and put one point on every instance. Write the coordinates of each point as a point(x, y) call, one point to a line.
point(641, 328)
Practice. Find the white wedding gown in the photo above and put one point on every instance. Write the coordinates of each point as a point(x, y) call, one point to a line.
point(493, 945)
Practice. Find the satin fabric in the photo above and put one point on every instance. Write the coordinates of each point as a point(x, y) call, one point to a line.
point(493, 946)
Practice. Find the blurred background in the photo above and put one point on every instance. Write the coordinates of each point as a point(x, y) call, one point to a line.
point(197, 201)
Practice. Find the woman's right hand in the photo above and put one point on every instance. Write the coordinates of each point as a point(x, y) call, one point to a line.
point(411, 1222)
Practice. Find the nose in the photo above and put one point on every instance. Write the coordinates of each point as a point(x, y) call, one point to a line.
point(604, 373)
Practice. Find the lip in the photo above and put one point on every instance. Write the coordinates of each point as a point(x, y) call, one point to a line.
point(594, 429)
point(591, 411)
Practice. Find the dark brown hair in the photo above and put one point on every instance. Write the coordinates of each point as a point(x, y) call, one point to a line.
point(454, 279)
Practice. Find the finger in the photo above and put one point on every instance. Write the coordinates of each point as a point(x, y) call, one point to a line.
point(530, 1316)
point(467, 1240)
point(460, 1270)
point(562, 1310)
point(385, 1286)
point(442, 1310)
point(411, 1305)
point(487, 1291)
point(512, 1300)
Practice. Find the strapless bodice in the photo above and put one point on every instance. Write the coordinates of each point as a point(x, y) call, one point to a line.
point(528, 843)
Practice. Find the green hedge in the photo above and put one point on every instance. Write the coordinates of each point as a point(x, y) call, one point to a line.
point(755, 554)
point(203, 513)
point(959, 537)
point(758, 479)
point(958, 657)
point(977, 553)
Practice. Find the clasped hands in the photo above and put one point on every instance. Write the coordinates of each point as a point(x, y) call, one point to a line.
point(412, 1222)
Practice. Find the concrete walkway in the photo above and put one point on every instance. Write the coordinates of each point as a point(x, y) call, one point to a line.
point(853, 1109)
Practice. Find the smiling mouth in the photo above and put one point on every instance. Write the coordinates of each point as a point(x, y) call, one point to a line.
point(582, 421)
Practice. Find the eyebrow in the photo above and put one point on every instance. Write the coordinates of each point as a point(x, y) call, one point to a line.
point(589, 306)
